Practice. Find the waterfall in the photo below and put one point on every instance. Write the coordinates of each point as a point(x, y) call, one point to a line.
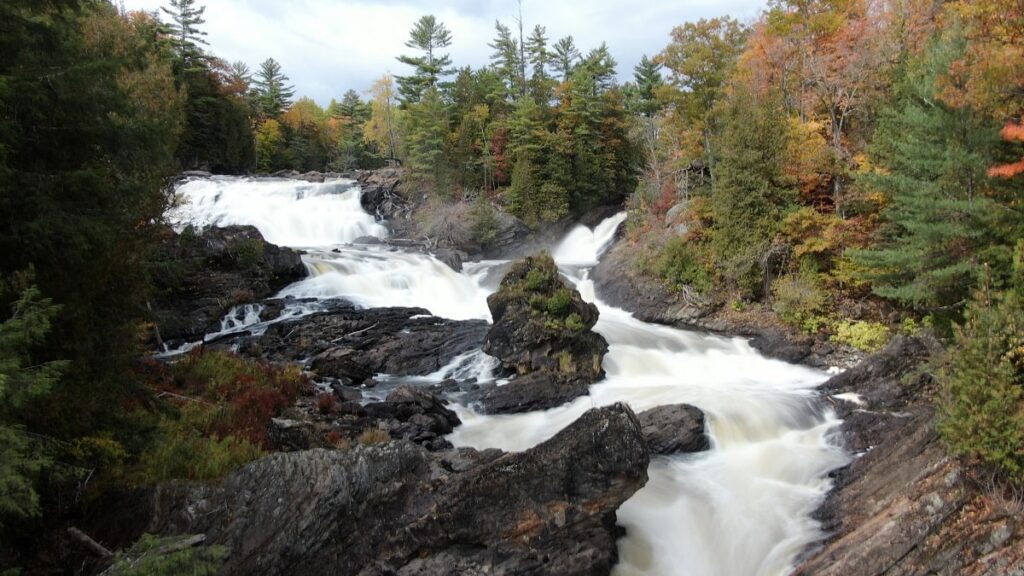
point(742, 508)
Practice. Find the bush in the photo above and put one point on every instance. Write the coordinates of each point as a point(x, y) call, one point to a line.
point(866, 336)
point(447, 224)
point(218, 409)
point(798, 301)
point(681, 264)
point(483, 220)
point(372, 436)
point(982, 385)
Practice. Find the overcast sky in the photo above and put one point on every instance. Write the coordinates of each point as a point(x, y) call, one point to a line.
point(329, 46)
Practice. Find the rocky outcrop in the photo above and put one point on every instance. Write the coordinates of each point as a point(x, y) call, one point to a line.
point(674, 429)
point(543, 333)
point(395, 508)
point(904, 506)
point(354, 344)
point(618, 282)
point(382, 195)
point(200, 276)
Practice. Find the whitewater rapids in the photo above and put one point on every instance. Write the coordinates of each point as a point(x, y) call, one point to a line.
point(742, 508)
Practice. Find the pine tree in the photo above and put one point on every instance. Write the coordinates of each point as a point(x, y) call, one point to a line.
point(982, 402)
point(647, 76)
point(425, 136)
point(428, 36)
point(750, 192)
point(186, 19)
point(937, 218)
point(505, 60)
point(537, 54)
point(21, 383)
point(566, 57)
point(273, 94)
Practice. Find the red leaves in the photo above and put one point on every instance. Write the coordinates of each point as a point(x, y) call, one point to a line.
point(1012, 132)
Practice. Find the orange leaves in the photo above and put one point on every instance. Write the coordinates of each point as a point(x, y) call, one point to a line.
point(1012, 132)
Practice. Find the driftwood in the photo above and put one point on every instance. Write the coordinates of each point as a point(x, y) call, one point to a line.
point(93, 546)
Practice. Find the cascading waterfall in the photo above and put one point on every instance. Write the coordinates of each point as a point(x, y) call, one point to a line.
point(286, 212)
point(741, 508)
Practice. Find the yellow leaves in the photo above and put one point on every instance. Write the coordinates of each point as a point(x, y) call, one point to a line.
point(808, 156)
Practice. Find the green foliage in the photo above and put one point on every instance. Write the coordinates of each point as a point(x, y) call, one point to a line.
point(799, 301)
point(426, 131)
point(428, 35)
point(982, 384)
point(273, 94)
point(220, 406)
point(862, 335)
point(680, 264)
point(483, 220)
point(750, 192)
point(168, 556)
point(938, 218)
point(21, 458)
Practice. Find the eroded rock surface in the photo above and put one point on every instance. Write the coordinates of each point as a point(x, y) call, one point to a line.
point(543, 333)
point(674, 429)
point(395, 508)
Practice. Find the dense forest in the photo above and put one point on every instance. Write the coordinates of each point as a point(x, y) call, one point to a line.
point(853, 168)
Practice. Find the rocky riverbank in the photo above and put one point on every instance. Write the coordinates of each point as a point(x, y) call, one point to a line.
point(619, 283)
point(395, 508)
point(904, 506)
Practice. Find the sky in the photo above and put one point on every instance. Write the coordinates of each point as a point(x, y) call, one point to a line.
point(329, 46)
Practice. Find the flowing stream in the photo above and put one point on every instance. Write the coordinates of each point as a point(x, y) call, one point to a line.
point(742, 508)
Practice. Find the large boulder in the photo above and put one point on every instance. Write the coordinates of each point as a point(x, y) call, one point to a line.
point(201, 275)
point(674, 429)
point(542, 329)
point(395, 508)
point(353, 344)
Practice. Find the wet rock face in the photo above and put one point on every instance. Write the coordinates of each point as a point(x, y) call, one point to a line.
point(354, 344)
point(674, 429)
point(395, 508)
point(904, 505)
point(202, 275)
point(542, 332)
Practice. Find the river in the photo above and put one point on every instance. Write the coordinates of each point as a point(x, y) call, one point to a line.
point(742, 508)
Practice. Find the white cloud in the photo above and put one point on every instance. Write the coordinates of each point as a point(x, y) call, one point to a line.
point(329, 46)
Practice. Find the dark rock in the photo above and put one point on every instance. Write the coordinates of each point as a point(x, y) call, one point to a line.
point(397, 509)
point(368, 240)
point(289, 435)
point(194, 174)
point(358, 343)
point(903, 505)
point(618, 282)
point(775, 343)
point(341, 362)
point(673, 429)
point(201, 276)
point(542, 329)
point(451, 258)
point(346, 393)
point(534, 391)
point(271, 310)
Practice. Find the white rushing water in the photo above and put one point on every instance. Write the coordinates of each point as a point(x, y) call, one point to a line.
point(286, 212)
point(740, 509)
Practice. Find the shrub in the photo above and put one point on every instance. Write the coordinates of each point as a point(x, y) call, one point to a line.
point(559, 303)
point(447, 223)
point(372, 436)
point(862, 335)
point(325, 403)
point(798, 301)
point(981, 405)
point(574, 322)
point(681, 264)
point(483, 220)
point(247, 253)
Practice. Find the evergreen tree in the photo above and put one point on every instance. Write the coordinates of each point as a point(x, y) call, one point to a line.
point(982, 402)
point(750, 192)
point(565, 57)
point(647, 76)
point(273, 93)
point(539, 57)
point(426, 131)
point(21, 382)
point(505, 60)
point(186, 19)
point(938, 217)
point(428, 36)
